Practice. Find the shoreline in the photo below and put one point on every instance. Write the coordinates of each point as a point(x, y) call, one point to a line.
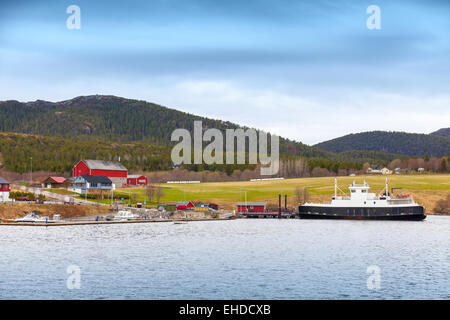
point(78, 223)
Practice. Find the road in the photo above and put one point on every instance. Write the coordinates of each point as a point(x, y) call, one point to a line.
point(57, 196)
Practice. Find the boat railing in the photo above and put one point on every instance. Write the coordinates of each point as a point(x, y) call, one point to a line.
point(341, 198)
point(400, 201)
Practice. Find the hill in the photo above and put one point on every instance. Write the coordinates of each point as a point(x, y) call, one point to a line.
point(410, 144)
point(57, 134)
point(114, 119)
point(444, 132)
point(59, 155)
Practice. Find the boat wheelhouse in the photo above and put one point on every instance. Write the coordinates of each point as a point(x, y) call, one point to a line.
point(362, 204)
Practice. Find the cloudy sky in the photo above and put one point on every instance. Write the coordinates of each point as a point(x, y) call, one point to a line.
point(307, 70)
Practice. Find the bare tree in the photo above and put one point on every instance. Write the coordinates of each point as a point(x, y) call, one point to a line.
point(301, 194)
point(150, 192)
point(159, 193)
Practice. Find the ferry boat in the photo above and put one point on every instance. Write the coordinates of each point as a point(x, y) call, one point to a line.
point(361, 204)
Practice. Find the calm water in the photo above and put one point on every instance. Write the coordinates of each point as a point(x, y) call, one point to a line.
point(240, 259)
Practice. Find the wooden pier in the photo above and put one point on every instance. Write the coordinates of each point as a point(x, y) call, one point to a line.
point(268, 215)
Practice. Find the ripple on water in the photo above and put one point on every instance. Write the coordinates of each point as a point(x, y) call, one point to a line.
point(239, 259)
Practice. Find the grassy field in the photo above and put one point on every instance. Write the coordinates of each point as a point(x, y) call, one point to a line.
point(426, 189)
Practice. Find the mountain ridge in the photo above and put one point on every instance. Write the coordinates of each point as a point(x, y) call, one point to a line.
point(443, 132)
point(408, 144)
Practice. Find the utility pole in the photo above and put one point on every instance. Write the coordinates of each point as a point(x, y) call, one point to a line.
point(246, 209)
point(31, 170)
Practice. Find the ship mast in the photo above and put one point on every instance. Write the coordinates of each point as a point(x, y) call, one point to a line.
point(335, 188)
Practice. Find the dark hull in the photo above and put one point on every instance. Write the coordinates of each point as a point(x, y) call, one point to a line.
point(412, 213)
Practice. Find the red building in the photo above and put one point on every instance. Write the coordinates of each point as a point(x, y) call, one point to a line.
point(136, 180)
point(4, 190)
point(111, 169)
point(184, 205)
point(251, 207)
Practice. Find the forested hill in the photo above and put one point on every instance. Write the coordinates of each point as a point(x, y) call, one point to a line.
point(114, 119)
point(410, 144)
point(444, 132)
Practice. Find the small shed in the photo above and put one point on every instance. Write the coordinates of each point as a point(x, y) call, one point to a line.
point(251, 206)
point(54, 182)
point(202, 207)
point(136, 180)
point(184, 205)
point(214, 206)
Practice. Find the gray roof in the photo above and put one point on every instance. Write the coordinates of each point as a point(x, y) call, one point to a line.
point(104, 165)
point(96, 179)
point(251, 203)
point(3, 181)
point(134, 176)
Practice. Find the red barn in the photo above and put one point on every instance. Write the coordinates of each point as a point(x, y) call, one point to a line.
point(114, 170)
point(135, 180)
point(251, 206)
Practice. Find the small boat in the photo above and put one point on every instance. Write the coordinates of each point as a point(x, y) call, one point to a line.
point(124, 215)
point(33, 217)
point(8, 220)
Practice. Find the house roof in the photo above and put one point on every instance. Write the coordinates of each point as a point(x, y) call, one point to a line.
point(251, 203)
point(96, 179)
point(105, 165)
point(134, 176)
point(3, 181)
point(182, 203)
point(57, 179)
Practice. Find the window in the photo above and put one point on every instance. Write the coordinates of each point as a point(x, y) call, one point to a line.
point(363, 191)
point(353, 191)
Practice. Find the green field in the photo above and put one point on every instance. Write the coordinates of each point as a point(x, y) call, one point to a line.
point(228, 193)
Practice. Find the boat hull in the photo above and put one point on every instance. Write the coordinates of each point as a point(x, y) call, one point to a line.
point(412, 213)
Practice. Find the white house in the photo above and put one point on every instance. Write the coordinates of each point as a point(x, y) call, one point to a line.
point(4, 190)
point(382, 170)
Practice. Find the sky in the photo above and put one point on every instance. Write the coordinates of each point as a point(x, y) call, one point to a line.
point(306, 70)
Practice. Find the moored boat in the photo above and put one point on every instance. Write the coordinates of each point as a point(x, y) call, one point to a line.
point(363, 205)
point(34, 217)
point(125, 215)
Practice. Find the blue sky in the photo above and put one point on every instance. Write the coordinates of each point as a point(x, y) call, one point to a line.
point(307, 70)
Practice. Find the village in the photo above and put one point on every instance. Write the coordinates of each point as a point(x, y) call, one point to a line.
point(105, 192)
point(94, 184)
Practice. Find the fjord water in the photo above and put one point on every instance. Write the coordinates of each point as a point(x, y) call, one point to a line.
point(238, 259)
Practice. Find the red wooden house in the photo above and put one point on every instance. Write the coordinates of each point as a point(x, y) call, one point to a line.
point(136, 180)
point(184, 205)
point(251, 206)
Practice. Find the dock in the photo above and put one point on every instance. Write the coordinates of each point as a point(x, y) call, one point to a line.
point(79, 223)
point(268, 215)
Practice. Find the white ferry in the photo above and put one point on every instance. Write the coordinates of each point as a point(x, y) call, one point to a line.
point(361, 204)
